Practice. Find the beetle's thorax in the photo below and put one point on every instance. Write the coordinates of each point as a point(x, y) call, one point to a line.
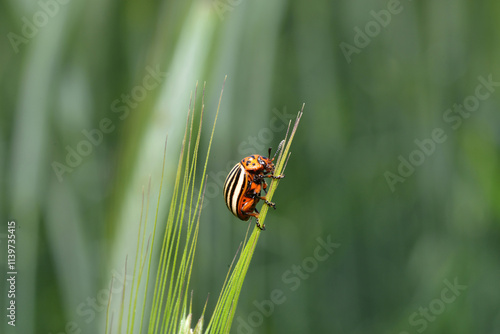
point(257, 164)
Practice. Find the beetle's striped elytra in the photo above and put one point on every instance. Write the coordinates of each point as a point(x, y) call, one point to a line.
point(234, 187)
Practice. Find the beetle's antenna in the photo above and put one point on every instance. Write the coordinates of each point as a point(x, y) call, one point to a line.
point(269, 152)
point(279, 148)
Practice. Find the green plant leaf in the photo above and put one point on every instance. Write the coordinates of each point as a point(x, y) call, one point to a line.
point(225, 308)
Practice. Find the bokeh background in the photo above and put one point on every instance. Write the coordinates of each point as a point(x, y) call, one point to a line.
point(396, 161)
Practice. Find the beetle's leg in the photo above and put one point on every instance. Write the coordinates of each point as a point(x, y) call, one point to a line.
point(258, 178)
point(261, 227)
point(264, 185)
point(271, 176)
point(271, 204)
point(256, 215)
point(257, 196)
point(275, 176)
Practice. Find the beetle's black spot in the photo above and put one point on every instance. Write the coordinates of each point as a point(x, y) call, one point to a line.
point(252, 156)
point(253, 164)
point(248, 162)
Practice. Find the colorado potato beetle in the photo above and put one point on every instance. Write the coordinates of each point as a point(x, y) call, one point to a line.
point(244, 184)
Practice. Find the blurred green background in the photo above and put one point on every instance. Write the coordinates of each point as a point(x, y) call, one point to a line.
point(396, 161)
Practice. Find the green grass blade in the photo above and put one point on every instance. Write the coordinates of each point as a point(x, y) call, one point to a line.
point(138, 256)
point(169, 305)
point(225, 308)
point(109, 303)
point(129, 316)
point(122, 303)
point(170, 298)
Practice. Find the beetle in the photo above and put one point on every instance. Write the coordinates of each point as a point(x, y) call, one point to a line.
point(244, 184)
